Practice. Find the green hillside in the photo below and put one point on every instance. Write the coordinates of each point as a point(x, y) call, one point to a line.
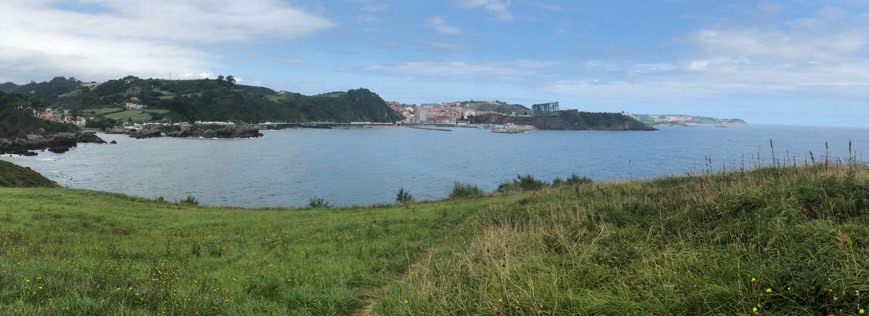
point(14, 176)
point(778, 241)
point(202, 100)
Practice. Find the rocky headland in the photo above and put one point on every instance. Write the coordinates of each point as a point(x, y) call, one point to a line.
point(203, 131)
point(58, 143)
point(569, 120)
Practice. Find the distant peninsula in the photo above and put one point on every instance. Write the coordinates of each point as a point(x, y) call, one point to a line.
point(568, 120)
point(685, 120)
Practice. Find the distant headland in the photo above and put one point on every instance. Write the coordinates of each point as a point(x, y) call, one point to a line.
point(685, 120)
point(51, 115)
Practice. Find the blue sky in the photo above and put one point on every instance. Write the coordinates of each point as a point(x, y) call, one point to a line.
point(801, 62)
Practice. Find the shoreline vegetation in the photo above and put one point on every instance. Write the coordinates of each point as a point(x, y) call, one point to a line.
point(782, 239)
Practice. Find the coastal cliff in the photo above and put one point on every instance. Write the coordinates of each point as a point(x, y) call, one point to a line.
point(569, 120)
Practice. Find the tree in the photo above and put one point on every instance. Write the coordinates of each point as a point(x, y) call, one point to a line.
point(220, 78)
point(230, 79)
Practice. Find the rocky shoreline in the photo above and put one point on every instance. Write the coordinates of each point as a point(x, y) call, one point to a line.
point(207, 131)
point(57, 143)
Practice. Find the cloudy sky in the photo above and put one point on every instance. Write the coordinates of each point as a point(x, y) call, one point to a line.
point(803, 62)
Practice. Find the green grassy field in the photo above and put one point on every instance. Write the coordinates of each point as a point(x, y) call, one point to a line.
point(104, 111)
point(786, 240)
point(136, 115)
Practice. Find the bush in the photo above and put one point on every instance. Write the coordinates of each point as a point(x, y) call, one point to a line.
point(317, 202)
point(575, 180)
point(403, 196)
point(464, 190)
point(523, 183)
point(190, 200)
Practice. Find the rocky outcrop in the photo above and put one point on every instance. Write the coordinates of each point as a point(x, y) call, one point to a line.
point(232, 131)
point(58, 143)
point(203, 131)
point(145, 133)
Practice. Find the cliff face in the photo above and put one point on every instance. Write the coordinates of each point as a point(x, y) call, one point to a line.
point(570, 120)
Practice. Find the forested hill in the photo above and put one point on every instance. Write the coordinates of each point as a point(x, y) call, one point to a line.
point(202, 100)
point(16, 118)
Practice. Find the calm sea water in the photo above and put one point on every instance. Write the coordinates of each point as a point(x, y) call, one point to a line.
point(367, 166)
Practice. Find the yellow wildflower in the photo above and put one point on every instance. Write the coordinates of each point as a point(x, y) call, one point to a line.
point(754, 309)
point(861, 312)
point(768, 290)
point(405, 302)
point(500, 300)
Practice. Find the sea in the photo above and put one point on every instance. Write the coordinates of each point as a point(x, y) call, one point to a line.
point(366, 166)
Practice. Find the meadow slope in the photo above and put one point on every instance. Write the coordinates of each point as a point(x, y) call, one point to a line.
point(784, 240)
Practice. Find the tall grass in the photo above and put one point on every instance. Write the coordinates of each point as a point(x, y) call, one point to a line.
point(776, 240)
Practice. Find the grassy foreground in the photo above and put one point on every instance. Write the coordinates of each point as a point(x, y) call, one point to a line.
point(76, 252)
point(786, 240)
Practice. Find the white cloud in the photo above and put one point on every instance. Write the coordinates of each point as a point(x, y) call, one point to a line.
point(439, 24)
point(113, 38)
point(828, 59)
point(462, 70)
point(781, 46)
point(500, 8)
point(192, 75)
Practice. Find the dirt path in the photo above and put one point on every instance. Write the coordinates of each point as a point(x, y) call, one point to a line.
point(370, 298)
point(372, 295)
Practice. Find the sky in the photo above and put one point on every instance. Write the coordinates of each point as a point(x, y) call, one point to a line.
point(798, 62)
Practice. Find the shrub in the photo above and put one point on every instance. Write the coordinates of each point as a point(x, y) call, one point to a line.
point(317, 202)
point(522, 183)
point(190, 200)
point(575, 180)
point(403, 196)
point(464, 190)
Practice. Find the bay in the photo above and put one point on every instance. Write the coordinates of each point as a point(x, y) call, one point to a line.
point(368, 166)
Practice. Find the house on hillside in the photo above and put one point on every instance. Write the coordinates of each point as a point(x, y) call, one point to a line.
point(135, 104)
point(50, 115)
point(75, 120)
